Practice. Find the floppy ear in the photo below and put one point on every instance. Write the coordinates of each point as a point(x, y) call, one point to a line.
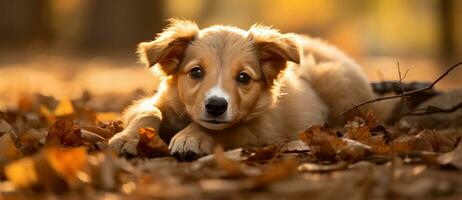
point(274, 50)
point(168, 48)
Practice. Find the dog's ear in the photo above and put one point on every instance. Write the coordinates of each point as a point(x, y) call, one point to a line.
point(168, 48)
point(274, 50)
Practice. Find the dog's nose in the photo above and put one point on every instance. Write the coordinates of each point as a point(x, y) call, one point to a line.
point(216, 106)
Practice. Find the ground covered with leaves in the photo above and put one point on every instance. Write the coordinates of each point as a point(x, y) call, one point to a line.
point(58, 149)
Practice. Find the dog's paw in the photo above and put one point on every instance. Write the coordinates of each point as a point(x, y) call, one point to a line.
point(190, 147)
point(125, 143)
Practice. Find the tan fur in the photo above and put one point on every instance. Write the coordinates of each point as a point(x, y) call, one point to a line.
point(296, 81)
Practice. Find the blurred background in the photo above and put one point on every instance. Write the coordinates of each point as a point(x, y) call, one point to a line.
point(65, 47)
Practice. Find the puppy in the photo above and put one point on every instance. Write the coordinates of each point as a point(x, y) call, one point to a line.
point(236, 88)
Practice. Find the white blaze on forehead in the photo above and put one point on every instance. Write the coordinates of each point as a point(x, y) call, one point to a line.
point(218, 91)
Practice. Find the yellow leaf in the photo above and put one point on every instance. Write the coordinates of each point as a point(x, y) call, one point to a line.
point(67, 162)
point(64, 108)
point(22, 172)
point(47, 114)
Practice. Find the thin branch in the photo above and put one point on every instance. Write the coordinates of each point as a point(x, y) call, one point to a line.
point(433, 110)
point(409, 93)
point(401, 78)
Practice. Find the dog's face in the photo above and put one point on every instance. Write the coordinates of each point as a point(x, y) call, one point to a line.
point(224, 75)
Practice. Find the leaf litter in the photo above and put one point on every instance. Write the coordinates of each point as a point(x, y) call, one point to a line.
point(59, 148)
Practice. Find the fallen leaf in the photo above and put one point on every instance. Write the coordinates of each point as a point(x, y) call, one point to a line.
point(262, 153)
point(313, 167)
point(91, 137)
point(64, 108)
point(47, 113)
point(354, 151)
point(67, 162)
point(453, 158)
point(53, 169)
point(276, 172)
point(295, 146)
point(65, 132)
point(231, 167)
point(4, 127)
point(322, 141)
point(101, 132)
point(113, 127)
point(22, 173)
point(150, 144)
point(409, 143)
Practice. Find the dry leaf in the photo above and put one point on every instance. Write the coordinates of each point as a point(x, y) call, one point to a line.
point(64, 108)
point(231, 167)
point(22, 172)
point(66, 162)
point(47, 113)
point(65, 132)
point(407, 143)
point(53, 169)
point(262, 153)
point(4, 127)
point(313, 167)
point(371, 120)
point(295, 146)
point(276, 172)
point(150, 144)
point(323, 142)
point(113, 127)
point(104, 133)
point(354, 151)
point(453, 158)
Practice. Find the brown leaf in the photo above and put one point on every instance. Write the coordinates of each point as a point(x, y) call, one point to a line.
point(354, 151)
point(231, 167)
point(150, 144)
point(441, 140)
point(4, 127)
point(295, 146)
point(313, 167)
point(262, 153)
point(360, 134)
point(65, 133)
point(113, 127)
point(408, 143)
point(323, 142)
point(371, 120)
point(276, 172)
point(453, 158)
point(105, 133)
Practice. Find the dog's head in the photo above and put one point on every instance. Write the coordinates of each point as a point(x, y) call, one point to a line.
point(223, 74)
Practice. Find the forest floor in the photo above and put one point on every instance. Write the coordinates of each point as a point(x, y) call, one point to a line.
point(53, 144)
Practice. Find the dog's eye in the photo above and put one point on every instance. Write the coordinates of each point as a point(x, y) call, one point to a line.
point(243, 78)
point(196, 73)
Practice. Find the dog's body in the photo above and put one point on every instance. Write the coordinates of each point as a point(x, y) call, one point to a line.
point(240, 88)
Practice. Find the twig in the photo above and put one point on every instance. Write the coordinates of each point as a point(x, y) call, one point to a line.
point(409, 93)
point(401, 78)
point(433, 110)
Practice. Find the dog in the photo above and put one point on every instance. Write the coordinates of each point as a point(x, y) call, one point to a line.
point(239, 88)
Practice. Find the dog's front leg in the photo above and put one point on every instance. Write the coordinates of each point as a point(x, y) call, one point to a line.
point(192, 142)
point(142, 114)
